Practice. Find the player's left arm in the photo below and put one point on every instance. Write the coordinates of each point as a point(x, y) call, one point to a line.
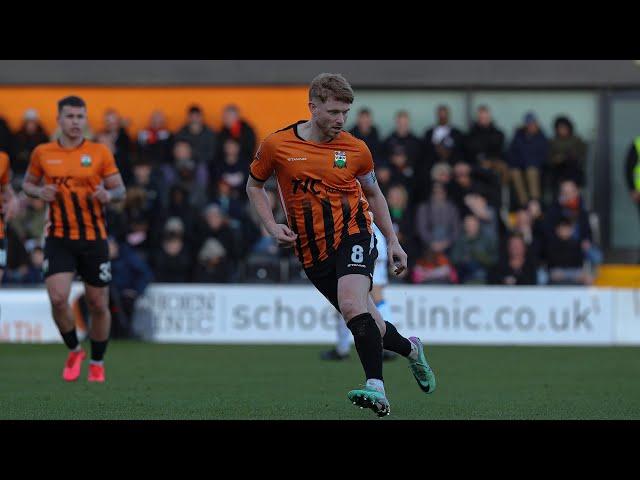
point(382, 218)
point(112, 189)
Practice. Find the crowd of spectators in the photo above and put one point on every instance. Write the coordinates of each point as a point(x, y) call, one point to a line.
point(467, 206)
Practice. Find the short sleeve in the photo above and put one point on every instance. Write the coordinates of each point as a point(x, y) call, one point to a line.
point(4, 168)
point(263, 163)
point(365, 160)
point(108, 163)
point(35, 165)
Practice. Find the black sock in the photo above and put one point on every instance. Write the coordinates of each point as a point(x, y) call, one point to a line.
point(395, 342)
point(368, 342)
point(98, 349)
point(70, 339)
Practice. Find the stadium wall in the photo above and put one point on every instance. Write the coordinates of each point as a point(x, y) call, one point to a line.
point(361, 73)
point(270, 108)
point(267, 109)
point(256, 314)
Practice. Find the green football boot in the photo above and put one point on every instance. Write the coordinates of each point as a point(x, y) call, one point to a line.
point(421, 370)
point(370, 398)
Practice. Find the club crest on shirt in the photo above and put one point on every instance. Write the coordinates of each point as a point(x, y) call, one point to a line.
point(85, 161)
point(340, 159)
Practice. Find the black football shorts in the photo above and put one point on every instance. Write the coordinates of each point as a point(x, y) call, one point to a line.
point(90, 258)
point(356, 254)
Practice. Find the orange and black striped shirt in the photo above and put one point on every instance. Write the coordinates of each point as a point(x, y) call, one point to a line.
point(318, 188)
point(4, 181)
point(74, 214)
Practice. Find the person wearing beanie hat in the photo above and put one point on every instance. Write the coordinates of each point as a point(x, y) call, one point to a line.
point(526, 156)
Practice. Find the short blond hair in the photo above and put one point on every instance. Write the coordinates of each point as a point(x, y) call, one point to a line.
point(330, 85)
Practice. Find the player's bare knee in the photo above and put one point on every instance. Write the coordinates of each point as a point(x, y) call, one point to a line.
point(351, 308)
point(59, 301)
point(96, 304)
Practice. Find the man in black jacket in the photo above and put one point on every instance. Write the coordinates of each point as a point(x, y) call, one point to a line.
point(366, 131)
point(402, 136)
point(233, 126)
point(485, 144)
point(402, 142)
point(442, 129)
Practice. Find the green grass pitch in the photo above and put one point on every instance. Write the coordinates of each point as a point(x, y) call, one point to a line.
point(155, 381)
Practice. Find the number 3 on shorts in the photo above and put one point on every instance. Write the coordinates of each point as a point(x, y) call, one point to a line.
point(357, 254)
point(105, 271)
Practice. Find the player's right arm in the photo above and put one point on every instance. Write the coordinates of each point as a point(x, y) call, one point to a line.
point(260, 170)
point(31, 183)
point(31, 186)
point(258, 198)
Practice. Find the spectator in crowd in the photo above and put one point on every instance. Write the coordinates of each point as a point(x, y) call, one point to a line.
point(213, 264)
point(400, 170)
point(233, 126)
point(565, 258)
point(461, 185)
point(116, 137)
point(233, 167)
point(401, 215)
point(266, 244)
point(527, 153)
point(150, 181)
point(486, 214)
point(402, 136)
point(232, 202)
point(215, 224)
point(632, 172)
point(441, 154)
point(140, 236)
point(6, 137)
point(433, 268)
point(28, 272)
point(531, 233)
point(366, 131)
point(569, 205)
point(567, 155)
point(189, 174)
point(473, 253)
point(517, 268)
point(383, 175)
point(131, 276)
point(442, 173)
point(172, 263)
point(30, 221)
point(442, 139)
point(155, 142)
point(485, 144)
point(117, 220)
point(180, 206)
point(25, 226)
point(437, 221)
point(202, 139)
point(30, 135)
point(445, 152)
